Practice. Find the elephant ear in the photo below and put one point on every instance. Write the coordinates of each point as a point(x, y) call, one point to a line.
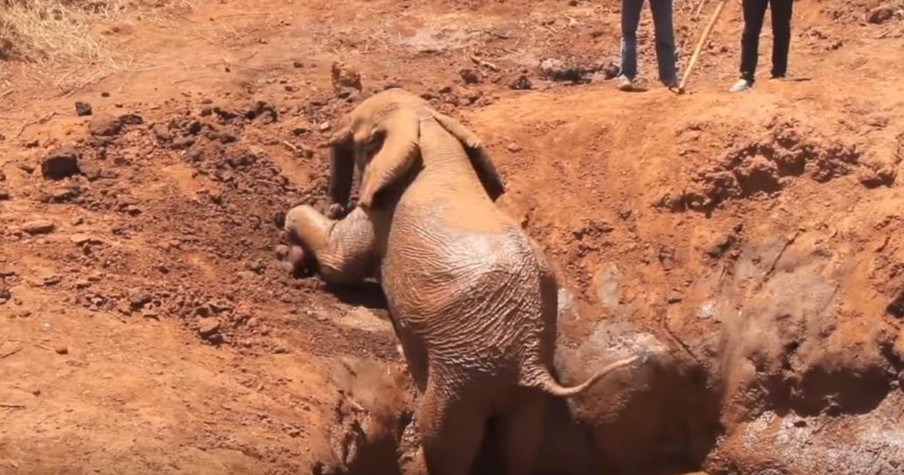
point(342, 166)
point(477, 154)
point(398, 138)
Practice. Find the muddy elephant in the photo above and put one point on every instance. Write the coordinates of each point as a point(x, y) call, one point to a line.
point(471, 296)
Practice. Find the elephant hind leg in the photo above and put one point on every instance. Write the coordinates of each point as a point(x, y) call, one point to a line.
point(345, 249)
point(521, 433)
point(451, 430)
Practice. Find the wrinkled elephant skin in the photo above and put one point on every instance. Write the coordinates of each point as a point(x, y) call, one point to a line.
point(472, 297)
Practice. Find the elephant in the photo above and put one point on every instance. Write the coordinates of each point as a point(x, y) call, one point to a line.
point(471, 296)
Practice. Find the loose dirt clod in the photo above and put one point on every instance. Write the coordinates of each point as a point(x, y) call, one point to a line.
point(344, 77)
point(82, 109)
point(104, 125)
point(208, 327)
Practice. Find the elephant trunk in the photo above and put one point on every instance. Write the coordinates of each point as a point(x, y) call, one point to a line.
point(548, 384)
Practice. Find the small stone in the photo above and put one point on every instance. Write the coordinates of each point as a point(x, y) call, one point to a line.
point(131, 119)
point(104, 125)
point(82, 109)
point(674, 297)
point(77, 220)
point(469, 76)
point(324, 126)
point(209, 326)
point(297, 64)
point(522, 84)
point(60, 164)
point(61, 349)
point(513, 147)
point(52, 280)
point(282, 251)
point(880, 15)
point(105, 94)
point(4, 194)
point(138, 301)
point(38, 227)
point(80, 239)
point(342, 76)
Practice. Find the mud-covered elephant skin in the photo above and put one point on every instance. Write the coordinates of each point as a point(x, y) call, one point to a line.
point(471, 296)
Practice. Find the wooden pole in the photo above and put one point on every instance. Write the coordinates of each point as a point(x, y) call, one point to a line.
point(700, 43)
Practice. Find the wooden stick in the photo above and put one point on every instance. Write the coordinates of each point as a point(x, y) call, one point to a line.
point(703, 38)
point(12, 406)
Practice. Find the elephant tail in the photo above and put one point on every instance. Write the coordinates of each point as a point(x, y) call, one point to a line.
point(548, 384)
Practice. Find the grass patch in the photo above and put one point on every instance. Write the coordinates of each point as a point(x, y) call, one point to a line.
point(62, 35)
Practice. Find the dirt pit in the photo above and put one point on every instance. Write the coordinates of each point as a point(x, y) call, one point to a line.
point(149, 322)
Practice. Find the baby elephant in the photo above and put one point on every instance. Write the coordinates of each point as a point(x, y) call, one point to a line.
point(472, 298)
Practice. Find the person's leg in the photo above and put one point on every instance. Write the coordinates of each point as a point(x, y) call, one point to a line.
point(665, 40)
point(630, 19)
point(781, 36)
point(754, 12)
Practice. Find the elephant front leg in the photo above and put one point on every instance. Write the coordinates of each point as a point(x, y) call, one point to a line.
point(345, 250)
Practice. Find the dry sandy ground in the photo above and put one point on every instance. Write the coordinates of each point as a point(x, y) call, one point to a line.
point(149, 325)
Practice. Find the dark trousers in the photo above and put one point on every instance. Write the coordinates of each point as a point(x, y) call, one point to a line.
point(754, 13)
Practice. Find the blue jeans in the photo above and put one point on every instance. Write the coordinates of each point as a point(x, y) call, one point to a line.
point(665, 38)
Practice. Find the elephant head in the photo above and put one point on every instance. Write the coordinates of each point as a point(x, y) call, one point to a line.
point(381, 140)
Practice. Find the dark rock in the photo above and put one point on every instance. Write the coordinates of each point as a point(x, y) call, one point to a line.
point(896, 307)
point(469, 76)
point(82, 109)
point(60, 164)
point(522, 83)
point(262, 109)
point(138, 301)
point(880, 15)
